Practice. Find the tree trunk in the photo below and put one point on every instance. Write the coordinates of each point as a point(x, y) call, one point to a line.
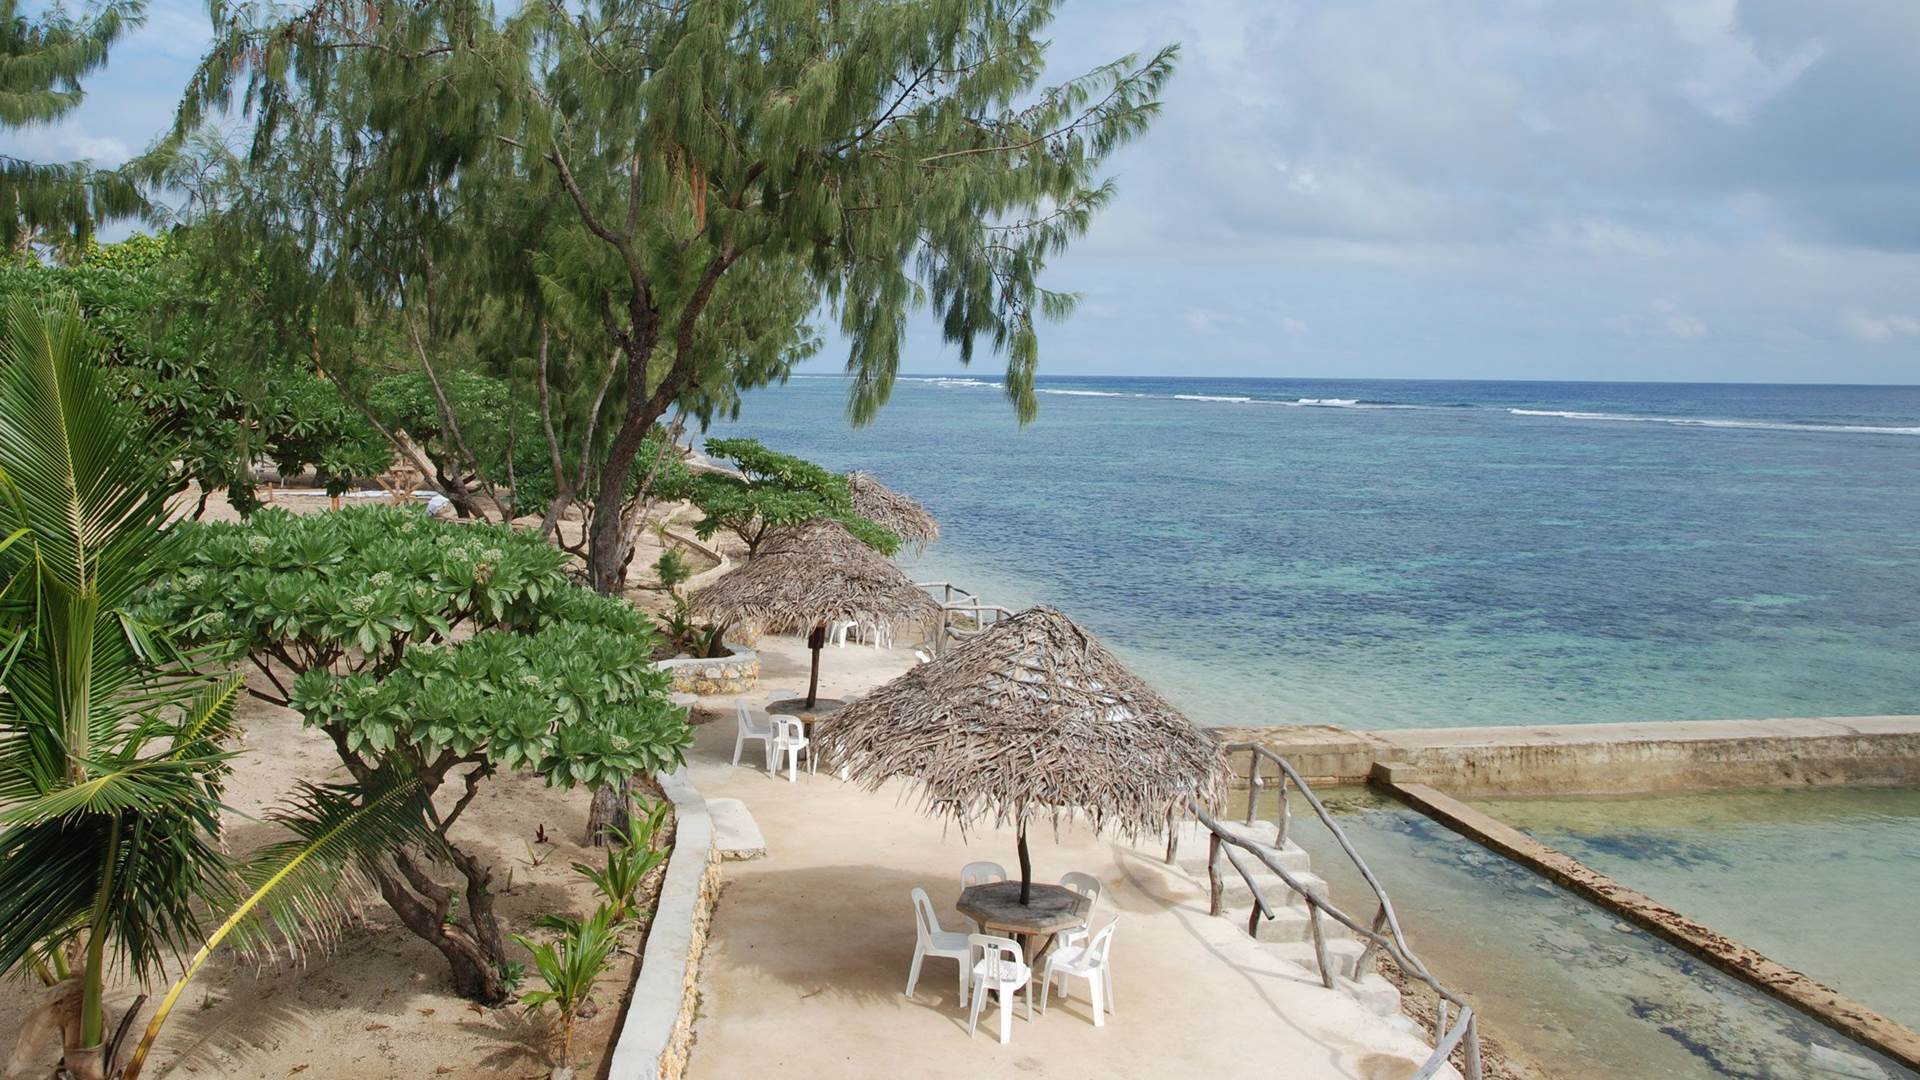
point(610, 802)
point(477, 964)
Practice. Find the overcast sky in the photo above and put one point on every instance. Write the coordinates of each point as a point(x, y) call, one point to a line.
point(1591, 189)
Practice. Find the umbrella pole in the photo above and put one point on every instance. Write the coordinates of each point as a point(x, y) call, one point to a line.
point(815, 641)
point(1026, 868)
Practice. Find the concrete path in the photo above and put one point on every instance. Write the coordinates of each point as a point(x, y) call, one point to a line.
point(807, 964)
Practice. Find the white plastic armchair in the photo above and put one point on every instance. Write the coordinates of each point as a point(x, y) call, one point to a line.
point(789, 742)
point(1091, 962)
point(998, 967)
point(754, 726)
point(1088, 886)
point(931, 940)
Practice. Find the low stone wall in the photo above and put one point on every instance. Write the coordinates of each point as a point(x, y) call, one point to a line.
point(733, 674)
point(656, 1035)
point(1612, 759)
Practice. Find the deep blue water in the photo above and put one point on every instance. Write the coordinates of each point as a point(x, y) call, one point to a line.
point(1411, 553)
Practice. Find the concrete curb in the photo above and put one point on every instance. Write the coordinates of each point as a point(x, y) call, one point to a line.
point(656, 1035)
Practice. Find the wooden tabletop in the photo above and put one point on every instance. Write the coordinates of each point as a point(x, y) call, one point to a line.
point(797, 707)
point(997, 906)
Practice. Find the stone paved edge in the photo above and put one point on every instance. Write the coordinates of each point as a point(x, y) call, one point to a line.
point(656, 1035)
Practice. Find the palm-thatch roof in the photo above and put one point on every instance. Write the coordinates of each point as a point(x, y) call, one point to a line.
point(881, 504)
point(810, 574)
point(1031, 718)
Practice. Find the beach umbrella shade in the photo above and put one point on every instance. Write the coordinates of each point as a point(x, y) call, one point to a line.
point(1033, 718)
point(884, 506)
point(809, 575)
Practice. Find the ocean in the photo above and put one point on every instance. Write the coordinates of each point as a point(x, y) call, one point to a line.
point(1375, 553)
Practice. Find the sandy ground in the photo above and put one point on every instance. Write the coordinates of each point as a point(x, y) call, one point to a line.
point(376, 1004)
point(810, 946)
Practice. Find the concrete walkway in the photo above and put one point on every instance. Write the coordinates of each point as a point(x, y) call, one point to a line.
point(807, 963)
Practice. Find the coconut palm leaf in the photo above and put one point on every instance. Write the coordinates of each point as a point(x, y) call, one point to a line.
point(302, 886)
point(112, 749)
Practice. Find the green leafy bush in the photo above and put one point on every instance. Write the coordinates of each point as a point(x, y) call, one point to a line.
point(187, 354)
point(773, 490)
point(444, 650)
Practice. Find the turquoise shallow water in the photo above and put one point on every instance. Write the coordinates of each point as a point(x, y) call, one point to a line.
point(1820, 879)
point(1380, 554)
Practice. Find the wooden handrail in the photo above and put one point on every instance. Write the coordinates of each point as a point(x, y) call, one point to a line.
point(1384, 933)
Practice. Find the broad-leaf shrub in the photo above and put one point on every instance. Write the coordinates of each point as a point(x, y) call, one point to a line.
point(443, 649)
point(773, 490)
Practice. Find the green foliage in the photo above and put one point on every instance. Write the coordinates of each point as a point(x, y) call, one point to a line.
point(438, 650)
point(42, 61)
point(500, 432)
point(173, 347)
point(362, 606)
point(631, 856)
point(654, 199)
point(112, 749)
point(569, 966)
point(774, 490)
point(684, 635)
point(672, 569)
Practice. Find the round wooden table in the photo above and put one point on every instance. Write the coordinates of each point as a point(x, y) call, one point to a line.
point(796, 707)
point(1053, 910)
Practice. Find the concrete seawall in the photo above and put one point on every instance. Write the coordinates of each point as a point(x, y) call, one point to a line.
point(1610, 759)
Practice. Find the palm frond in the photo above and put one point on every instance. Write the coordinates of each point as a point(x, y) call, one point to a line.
point(302, 887)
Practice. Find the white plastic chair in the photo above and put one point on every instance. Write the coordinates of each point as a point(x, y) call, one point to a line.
point(930, 940)
point(755, 726)
point(1088, 886)
point(980, 873)
point(837, 631)
point(790, 741)
point(998, 967)
point(1089, 962)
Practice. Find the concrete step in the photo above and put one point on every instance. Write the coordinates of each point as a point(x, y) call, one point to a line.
point(736, 836)
point(1192, 853)
point(1342, 954)
point(1293, 923)
point(1373, 992)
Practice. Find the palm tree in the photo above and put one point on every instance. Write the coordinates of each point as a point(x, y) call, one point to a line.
point(112, 747)
point(112, 742)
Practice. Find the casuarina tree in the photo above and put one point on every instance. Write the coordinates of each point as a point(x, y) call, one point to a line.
point(661, 195)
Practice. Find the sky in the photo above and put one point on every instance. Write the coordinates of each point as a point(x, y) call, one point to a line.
point(1716, 190)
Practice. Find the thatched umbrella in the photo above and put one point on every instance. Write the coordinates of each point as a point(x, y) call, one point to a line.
point(1031, 717)
point(804, 577)
point(881, 504)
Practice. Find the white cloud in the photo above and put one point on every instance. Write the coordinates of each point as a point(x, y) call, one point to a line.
point(1686, 327)
point(1294, 327)
point(67, 141)
point(1209, 321)
point(1878, 329)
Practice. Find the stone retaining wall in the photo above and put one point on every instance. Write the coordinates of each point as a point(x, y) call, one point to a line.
point(656, 1035)
point(733, 674)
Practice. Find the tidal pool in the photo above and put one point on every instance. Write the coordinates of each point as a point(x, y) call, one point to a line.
point(1823, 881)
point(1565, 982)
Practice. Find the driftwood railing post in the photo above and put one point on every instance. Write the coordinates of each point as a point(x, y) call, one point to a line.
point(1216, 887)
point(1360, 966)
point(1319, 942)
point(1458, 1027)
point(1253, 786)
